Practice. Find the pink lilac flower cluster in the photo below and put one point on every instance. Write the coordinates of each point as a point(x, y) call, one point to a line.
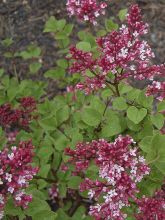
point(53, 192)
point(12, 119)
point(157, 88)
point(120, 169)
point(152, 207)
point(15, 173)
point(86, 10)
point(22, 115)
point(84, 61)
point(122, 53)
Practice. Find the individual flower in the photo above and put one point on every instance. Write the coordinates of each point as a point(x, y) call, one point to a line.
point(16, 172)
point(120, 168)
point(86, 10)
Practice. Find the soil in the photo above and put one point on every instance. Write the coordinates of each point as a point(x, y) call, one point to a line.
point(23, 21)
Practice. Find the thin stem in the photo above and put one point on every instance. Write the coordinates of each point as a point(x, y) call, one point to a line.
point(107, 82)
point(117, 89)
point(107, 104)
point(111, 89)
point(59, 129)
point(99, 126)
point(16, 74)
point(74, 207)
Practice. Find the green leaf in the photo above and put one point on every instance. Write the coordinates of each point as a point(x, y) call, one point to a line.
point(8, 54)
point(60, 36)
point(55, 73)
point(32, 52)
point(51, 25)
point(158, 144)
point(106, 93)
point(158, 120)
point(11, 93)
point(160, 166)
point(62, 114)
point(146, 143)
point(124, 88)
point(1, 71)
point(145, 101)
point(97, 104)
point(34, 67)
point(37, 193)
point(91, 116)
point(56, 159)
point(7, 42)
point(133, 94)
point(132, 126)
point(61, 215)
point(10, 209)
point(110, 25)
point(74, 182)
point(43, 172)
point(136, 115)
point(120, 104)
point(161, 106)
point(45, 215)
point(61, 141)
point(101, 33)
point(75, 135)
point(112, 127)
point(82, 35)
point(156, 155)
point(122, 14)
point(149, 187)
point(61, 24)
point(36, 206)
point(48, 123)
point(146, 128)
point(5, 81)
point(87, 37)
point(45, 151)
point(156, 175)
point(92, 171)
point(62, 190)
point(42, 184)
point(80, 213)
point(84, 46)
point(68, 29)
point(62, 63)
point(63, 43)
point(89, 73)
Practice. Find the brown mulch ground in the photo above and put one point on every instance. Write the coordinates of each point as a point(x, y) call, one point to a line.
point(23, 21)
